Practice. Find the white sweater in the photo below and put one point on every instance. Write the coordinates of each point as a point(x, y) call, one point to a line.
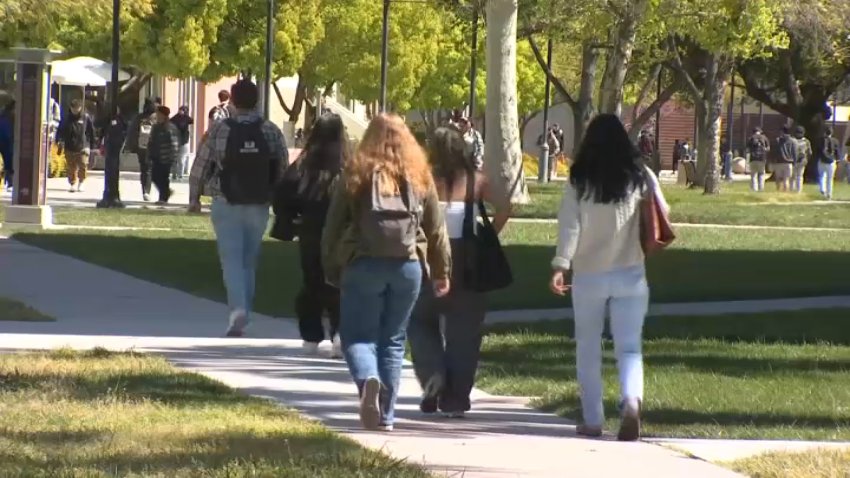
point(595, 237)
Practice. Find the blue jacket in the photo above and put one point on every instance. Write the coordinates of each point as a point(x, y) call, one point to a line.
point(7, 137)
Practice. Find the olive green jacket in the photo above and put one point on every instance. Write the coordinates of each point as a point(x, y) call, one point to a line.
point(341, 236)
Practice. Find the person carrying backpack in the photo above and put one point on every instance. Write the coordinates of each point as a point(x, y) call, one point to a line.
point(239, 165)
point(758, 147)
point(75, 137)
point(827, 162)
point(138, 137)
point(222, 110)
point(804, 155)
point(383, 236)
point(786, 157)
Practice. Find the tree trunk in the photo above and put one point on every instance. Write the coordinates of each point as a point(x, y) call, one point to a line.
point(298, 102)
point(502, 152)
point(617, 64)
point(709, 114)
point(583, 111)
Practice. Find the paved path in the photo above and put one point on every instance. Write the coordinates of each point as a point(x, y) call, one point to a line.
point(531, 220)
point(686, 309)
point(501, 438)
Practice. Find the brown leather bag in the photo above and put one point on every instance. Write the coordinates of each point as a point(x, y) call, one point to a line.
point(656, 230)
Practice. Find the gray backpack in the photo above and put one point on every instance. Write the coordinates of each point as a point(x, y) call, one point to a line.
point(389, 225)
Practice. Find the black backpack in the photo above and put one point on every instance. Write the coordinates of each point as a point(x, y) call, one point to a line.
point(249, 171)
point(758, 148)
point(830, 150)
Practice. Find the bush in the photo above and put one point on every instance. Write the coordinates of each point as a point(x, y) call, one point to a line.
point(531, 166)
point(57, 163)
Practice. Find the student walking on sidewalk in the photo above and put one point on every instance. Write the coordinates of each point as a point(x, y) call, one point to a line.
point(445, 364)
point(384, 232)
point(828, 157)
point(239, 165)
point(599, 249)
point(300, 207)
point(138, 138)
point(162, 152)
point(75, 136)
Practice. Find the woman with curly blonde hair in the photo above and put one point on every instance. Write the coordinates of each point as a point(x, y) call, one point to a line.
point(384, 233)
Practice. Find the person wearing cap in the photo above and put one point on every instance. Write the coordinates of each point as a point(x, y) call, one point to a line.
point(162, 152)
point(804, 154)
point(75, 137)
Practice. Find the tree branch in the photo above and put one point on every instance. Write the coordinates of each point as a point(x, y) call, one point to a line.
point(680, 68)
point(655, 106)
point(644, 90)
point(286, 109)
point(559, 85)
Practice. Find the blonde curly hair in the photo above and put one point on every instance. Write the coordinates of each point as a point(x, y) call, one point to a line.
point(388, 145)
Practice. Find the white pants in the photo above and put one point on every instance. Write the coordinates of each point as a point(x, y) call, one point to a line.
point(826, 178)
point(797, 175)
point(757, 170)
point(624, 294)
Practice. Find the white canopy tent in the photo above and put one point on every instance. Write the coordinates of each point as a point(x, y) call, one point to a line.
point(64, 73)
point(98, 67)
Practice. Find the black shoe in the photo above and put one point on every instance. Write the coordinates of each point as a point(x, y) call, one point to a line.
point(630, 421)
point(431, 395)
point(429, 405)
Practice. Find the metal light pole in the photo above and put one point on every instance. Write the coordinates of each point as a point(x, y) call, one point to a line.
point(543, 170)
point(473, 68)
point(267, 85)
point(730, 132)
point(385, 46)
point(111, 188)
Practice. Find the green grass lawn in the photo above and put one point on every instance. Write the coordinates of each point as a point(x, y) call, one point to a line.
point(736, 205)
point(703, 265)
point(767, 376)
point(810, 464)
point(12, 310)
point(97, 414)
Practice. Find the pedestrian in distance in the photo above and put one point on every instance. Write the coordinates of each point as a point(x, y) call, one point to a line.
point(163, 151)
point(804, 155)
point(75, 137)
point(785, 159)
point(7, 141)
point(183, 121)
point(828, 157)
point(758, 147)
point(138, 138)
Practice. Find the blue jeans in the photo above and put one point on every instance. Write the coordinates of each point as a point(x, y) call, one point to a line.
point(826, 177)
point(377, 298)
point(239, 230)
point(625, 295)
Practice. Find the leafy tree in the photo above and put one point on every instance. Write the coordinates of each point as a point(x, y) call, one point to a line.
point(704, 48)
point(797, 81)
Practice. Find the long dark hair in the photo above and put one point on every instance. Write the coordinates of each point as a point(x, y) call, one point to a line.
point(447, 154)
point(323, 157)
point(608, 166)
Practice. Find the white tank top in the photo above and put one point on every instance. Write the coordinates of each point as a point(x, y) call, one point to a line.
point(454, 212)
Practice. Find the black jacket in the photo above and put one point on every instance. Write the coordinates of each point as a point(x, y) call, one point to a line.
point(301, 203)
point(182, 122)
point(164, 143)
point(75, 132)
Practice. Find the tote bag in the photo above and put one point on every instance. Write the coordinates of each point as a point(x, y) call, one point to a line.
point(485, 266)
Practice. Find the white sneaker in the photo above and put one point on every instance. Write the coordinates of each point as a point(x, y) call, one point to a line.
point(146, 198)
point(72, 189)
point(80, 188)
point(336, 348)
point(310, 348)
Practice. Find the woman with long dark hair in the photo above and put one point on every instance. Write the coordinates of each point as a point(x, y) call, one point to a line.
point(446, 361)
point(599, 248)
point(301, 206)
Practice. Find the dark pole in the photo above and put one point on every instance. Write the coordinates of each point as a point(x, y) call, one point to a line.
point(658, 116)
point(543, 173)
point(267, 86)
point(761, 115)
point(385, 46)
point(730, 131)
point(745, 125)
point(115, 129)
point(473, 68)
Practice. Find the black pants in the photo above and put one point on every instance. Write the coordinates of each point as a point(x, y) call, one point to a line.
point(316, 297)
point(452, 356)
point(145, 168)
point(162, 179)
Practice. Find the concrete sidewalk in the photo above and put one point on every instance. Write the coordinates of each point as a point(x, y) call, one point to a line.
point(501, 438)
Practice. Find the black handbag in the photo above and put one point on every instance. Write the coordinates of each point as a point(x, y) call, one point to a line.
point(485, 265)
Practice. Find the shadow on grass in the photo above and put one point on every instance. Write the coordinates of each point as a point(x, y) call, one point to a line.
point(678, 275)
